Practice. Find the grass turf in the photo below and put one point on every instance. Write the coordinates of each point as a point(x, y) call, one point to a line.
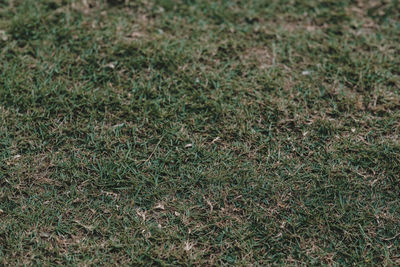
point(200, 132)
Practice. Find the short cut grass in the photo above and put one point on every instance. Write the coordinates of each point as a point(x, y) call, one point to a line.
point(197, 132)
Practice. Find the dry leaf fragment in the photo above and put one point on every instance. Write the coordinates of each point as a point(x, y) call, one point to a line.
point(44, 235)
point(215, 140)
point(159, 206)
point(87, 227)
point(188, 246)
point(141, 214)
point(118, 125)
point(3, 35)
point(110, 65)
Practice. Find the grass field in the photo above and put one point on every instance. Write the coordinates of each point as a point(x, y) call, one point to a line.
point(189, 132)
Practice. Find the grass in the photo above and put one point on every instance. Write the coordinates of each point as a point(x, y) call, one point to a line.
point(197, 132)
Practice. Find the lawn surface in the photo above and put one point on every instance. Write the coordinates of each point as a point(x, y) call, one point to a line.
point(196, 132)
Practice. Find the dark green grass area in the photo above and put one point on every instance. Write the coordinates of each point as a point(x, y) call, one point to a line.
point(196, 132)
